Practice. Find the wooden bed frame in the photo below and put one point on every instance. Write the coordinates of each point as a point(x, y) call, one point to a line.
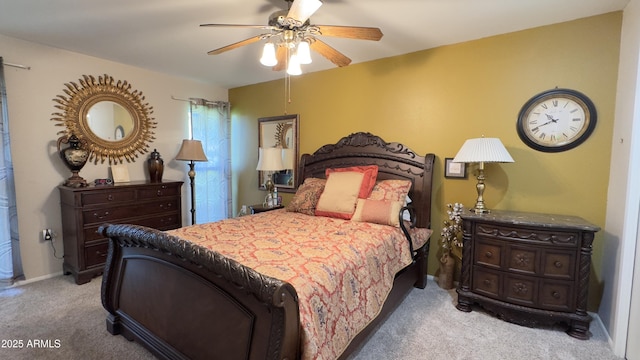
point(182, 301)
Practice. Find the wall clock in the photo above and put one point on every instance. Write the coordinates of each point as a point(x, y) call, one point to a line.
point(556, 120)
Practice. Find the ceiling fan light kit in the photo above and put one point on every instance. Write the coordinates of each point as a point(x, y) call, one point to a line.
point(291, 36)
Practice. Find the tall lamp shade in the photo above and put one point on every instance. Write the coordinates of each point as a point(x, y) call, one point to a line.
point(482, 150)
point(191, 150)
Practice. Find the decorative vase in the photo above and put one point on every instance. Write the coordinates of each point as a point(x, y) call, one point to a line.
point(447, 265)
point(155, 166)
point(74, 157)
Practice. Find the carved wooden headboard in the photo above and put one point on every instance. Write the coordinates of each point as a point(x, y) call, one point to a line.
point(394, 160)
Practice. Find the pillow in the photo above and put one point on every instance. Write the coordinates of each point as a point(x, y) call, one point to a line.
point(370, 173)
point(393, 190)
point(306, 197)
point(340, 194)
point(384, 212)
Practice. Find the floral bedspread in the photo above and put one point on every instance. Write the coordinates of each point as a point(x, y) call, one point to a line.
point(342, 270)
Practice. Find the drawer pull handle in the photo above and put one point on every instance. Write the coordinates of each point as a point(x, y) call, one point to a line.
point(487, 282)
point(555, 294)
point(488, 254)
point(106, 213)
point(159, 193)
point(110, 197)
point(557, 264)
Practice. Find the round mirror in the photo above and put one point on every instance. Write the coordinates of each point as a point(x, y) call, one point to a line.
point(109, 119)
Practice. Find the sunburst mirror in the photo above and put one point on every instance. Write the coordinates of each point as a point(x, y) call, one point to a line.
point(110, 119)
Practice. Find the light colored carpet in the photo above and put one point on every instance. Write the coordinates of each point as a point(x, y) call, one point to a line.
point(425, 326)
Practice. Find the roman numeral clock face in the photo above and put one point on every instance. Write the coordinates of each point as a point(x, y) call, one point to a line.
point(556, 120)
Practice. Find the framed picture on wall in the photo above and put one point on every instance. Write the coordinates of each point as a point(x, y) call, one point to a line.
point(454, 170)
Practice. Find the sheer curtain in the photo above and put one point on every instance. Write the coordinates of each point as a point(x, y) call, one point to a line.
point(10, 262)
point(211, 124)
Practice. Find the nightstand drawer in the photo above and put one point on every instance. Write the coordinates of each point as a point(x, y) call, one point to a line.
point(488, 253)
point(522, 290)
point(486, 282)
point(558, 264)
point(557, 295)
point(529, 235)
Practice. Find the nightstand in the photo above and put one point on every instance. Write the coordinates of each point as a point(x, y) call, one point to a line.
point(258, 208)
point(528, 268)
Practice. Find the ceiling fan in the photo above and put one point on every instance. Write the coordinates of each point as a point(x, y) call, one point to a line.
point(291, 35)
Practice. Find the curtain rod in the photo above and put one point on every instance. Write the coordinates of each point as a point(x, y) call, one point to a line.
point(201, 101)
point(17, 66)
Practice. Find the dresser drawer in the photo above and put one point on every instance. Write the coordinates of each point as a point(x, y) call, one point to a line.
point(110, 196)
point(131, 210)
point(522, 290)
point(523, 260)
point(158, 191)
point(96, 254)
point(161, 222)
point(524, 234)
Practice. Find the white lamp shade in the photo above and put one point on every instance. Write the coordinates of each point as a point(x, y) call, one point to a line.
point(191, 150)
point(482, 150)
point(270, 159)
point(304, 54)
point(269, 55)
point(287, 158)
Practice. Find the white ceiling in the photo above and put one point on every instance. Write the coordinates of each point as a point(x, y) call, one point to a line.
point(165, 36)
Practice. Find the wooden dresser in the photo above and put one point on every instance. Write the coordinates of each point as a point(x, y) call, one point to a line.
point(527, 268)
point(156, 205)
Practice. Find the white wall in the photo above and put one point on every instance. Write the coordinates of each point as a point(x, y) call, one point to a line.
point(624, 193)
point(38, 168)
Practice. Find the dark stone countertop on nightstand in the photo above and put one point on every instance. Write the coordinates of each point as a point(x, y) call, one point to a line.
point(532, 219)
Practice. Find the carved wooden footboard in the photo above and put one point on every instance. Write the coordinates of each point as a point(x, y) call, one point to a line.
point(182, 301)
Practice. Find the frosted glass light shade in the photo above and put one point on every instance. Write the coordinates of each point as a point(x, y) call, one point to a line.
point(483, 150)
point(269, 55)
point(304, 54)
point(270, 159)
point(294, 65)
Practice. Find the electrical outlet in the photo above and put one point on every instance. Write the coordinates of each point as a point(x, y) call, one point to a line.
point(47, 235)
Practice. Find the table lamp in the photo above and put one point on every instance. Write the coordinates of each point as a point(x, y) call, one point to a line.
point(482, 150)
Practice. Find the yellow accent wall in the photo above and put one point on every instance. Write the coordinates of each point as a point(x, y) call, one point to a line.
point(433, 100)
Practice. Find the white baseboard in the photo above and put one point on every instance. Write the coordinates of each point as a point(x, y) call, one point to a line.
point(35, 279)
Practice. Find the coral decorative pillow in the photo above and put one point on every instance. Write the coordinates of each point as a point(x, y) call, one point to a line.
point(394, 190)
point(307, 196)
point(370, 173)
point(382, 212)
point(340, 194)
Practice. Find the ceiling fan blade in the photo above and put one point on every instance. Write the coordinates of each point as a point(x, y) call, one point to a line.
point(351, 32)
point(302, 10)
point(264, 27)
point(330, 53)
point(248, 41)
point(281, 55)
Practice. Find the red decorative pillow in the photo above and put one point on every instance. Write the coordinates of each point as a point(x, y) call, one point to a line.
point(370, 174)
point(307, 196)
point(382, 212)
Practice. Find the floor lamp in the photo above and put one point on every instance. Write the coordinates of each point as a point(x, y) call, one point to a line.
point(191, 150)
point(482, 150)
